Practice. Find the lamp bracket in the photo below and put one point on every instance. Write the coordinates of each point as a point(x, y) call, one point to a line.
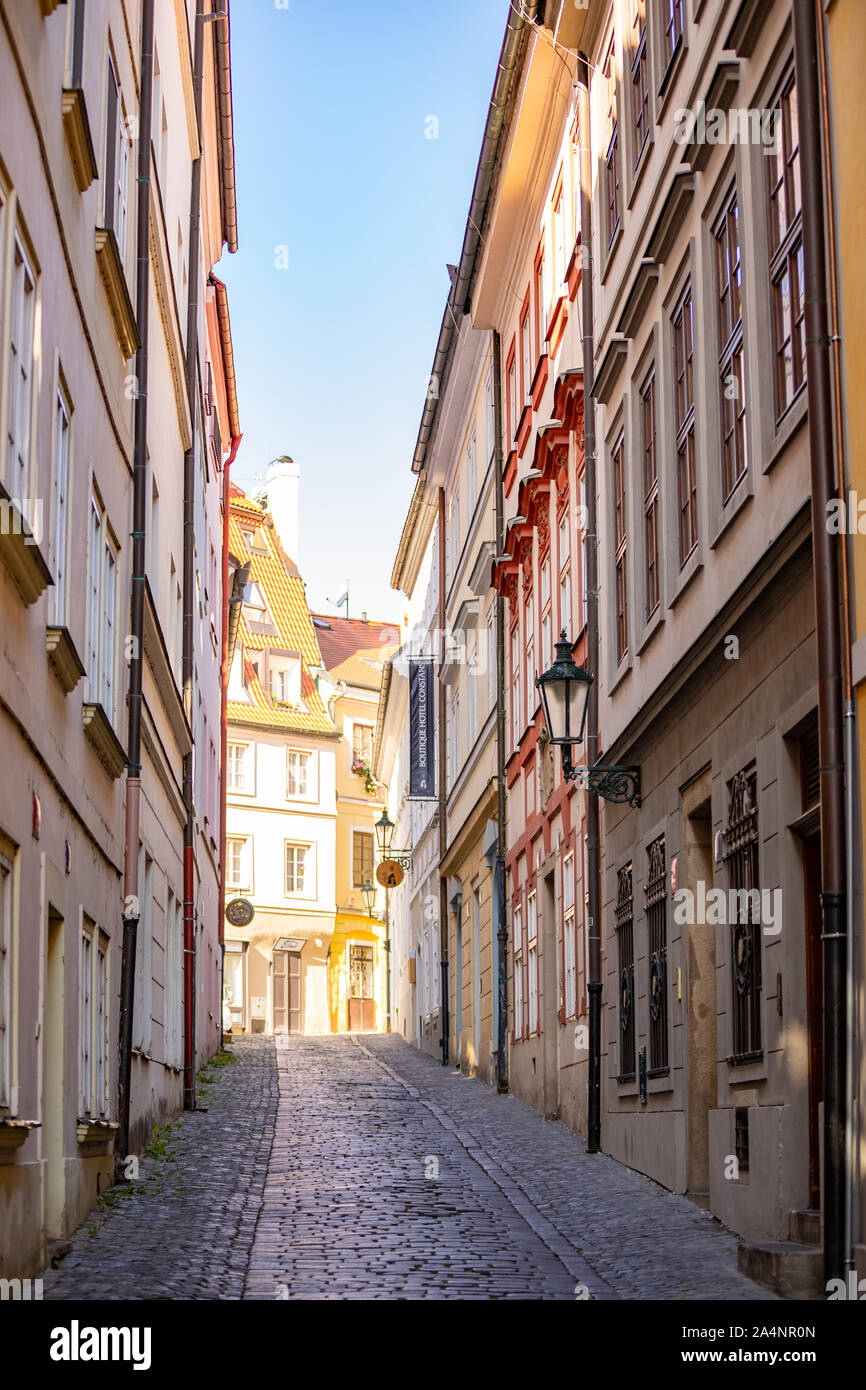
point(613, 783)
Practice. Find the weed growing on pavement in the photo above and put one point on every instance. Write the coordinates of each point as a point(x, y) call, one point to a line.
point(159, 1144)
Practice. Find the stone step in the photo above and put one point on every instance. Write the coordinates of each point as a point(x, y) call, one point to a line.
point(804, 1227)
point(789, 1268)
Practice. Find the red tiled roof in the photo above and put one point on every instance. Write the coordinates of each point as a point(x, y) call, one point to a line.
point(342, 638)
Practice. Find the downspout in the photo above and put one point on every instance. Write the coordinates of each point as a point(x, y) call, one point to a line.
point(189, 923)
point(501, 804)
point(851, 779)
point(593, 845)
point(224, 699)
point(443, 787)
point(225, 664)
point(131, 905)
point(829, 641)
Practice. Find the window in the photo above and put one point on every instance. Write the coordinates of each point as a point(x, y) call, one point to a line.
point(787, 271)
point(102, 609)
point(546, 614)
point(564, 577)
point(490, 412)
point(525, 359)
point(362, 743)
point(240, 777)
point(300, 773)
point(471, 688)
point(540, 305)
point(20, 373)
point(281, 686)
point(672, 19)
point(529, 648)
point(85, 1023)
point(453, 539)
point(518, 958)
point(76, 34)
point(471, 478)
point(62, 415)
point(741, 856)
point(115, 209)
point(732, 378)
point(569, 979)
point(516, 725)
point(174, 981)
point(102, 1024)
point(298, 866)
point(239, 863)
point(650, 495)
point(639, 78)
point(532, 962)
point(656, 913)
point(620, 548)
point(362, 857)
point(625, 938)
point(611, 176)
point(142, 1013)
point(454, 739)
point(5, 978)
point(512, 399)
point(687, 484)
point(558, 241)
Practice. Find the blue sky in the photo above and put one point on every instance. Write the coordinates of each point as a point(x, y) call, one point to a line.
point(331, 105)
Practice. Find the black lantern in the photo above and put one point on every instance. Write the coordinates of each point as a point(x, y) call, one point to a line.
point(564, 696)
point(368, 893)
point(384, 834)
point(565, 699)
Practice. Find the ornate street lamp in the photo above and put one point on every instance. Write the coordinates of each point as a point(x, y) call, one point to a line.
point(368, 893)
point(564, 691)
point(384, 834)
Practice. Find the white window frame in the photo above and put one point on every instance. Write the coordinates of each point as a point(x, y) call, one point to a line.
point(243, 883)
point(22, 338)
point(311, 792)
point(308, 865)
point(517, 956)
point(246, 763)
point(85, 1021)
point(61, 489)
point(569, 982)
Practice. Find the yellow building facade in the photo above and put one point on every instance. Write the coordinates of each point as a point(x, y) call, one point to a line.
point(353, 654)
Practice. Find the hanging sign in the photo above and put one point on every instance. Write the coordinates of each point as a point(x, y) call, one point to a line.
point(422, 761)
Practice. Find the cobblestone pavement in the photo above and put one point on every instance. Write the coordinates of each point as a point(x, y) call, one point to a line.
point(186, 1228)
point(358, 1168)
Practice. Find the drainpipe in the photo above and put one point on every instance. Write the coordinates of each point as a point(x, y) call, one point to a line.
point(851, 779)
point(593, 846)
point(131, 906)
point(224, 696)
point(501, 804)
point(443, 787)
point(189, 597)
point(829, 642)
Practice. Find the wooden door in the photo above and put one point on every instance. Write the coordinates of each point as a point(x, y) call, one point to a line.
point(814, 1005)
point(361, 1002)
point(287, 991)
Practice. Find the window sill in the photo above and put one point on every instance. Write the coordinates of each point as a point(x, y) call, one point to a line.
point(14, 1134)
point(20, 552)
point(108, 747)
point(114, 280)
point(65, 661)
point(539, 380)
point(731, 509)
point(76, 128)
point(651, 627)
point(96, 1136)
point(785, 428)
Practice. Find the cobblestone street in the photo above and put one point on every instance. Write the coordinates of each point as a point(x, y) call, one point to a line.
point(355, 1167)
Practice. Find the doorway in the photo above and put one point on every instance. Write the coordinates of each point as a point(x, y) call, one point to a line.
point(361, 1000)
point(53, 1078)
point(287, 992)
point(699, 954)
point(814, 1006)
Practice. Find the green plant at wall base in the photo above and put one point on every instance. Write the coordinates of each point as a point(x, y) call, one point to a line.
point(158, 1146)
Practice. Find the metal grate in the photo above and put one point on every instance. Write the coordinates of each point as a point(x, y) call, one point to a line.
point(656, 912)
point(810, 764)
point(741, 854)
point(625, 935)
point(741, 1138)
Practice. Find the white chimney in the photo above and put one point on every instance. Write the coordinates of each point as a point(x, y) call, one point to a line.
point(283, 484)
